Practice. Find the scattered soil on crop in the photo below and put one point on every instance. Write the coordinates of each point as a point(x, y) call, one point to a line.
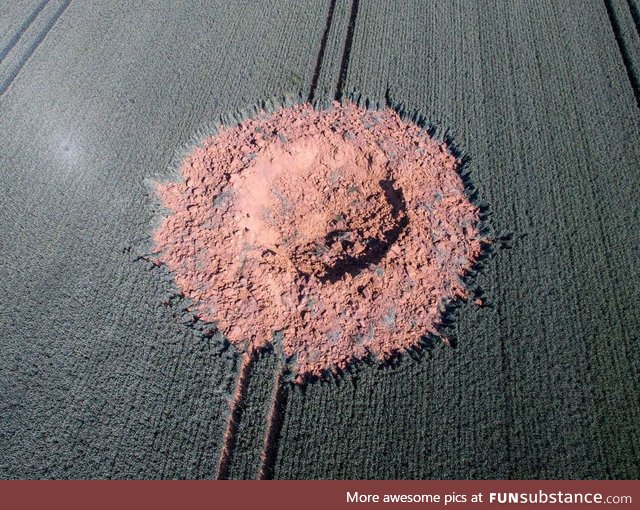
point(345, 229)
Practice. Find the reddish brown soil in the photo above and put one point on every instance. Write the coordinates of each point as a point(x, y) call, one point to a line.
point(345, 229)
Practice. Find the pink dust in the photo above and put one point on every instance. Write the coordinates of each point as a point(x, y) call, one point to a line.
point(344, 229)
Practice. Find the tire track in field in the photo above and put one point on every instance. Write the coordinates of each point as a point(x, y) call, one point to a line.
point(321, 52)
point(230, 434)
point(31, 48)
point(22, 29)
point(634, 80)
point(275, 420)
point(346, 53)
point(633, 9)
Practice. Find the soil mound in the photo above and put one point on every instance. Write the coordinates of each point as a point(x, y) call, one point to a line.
point(344, 229)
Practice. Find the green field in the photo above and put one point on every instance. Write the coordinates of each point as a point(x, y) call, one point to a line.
point(104, 374)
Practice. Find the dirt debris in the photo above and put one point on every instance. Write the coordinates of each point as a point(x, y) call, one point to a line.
point(345, 229)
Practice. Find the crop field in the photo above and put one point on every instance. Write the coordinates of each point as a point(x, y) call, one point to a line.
point(105, 372)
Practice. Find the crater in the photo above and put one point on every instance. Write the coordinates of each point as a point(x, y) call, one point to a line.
point(346, 230)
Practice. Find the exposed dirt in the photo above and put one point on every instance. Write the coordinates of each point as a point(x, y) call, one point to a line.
point(345, 229)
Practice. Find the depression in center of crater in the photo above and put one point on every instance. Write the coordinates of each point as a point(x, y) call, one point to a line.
point(344, 229)
point(320, 209)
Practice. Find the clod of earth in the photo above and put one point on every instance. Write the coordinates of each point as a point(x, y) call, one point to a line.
point(344, 229)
